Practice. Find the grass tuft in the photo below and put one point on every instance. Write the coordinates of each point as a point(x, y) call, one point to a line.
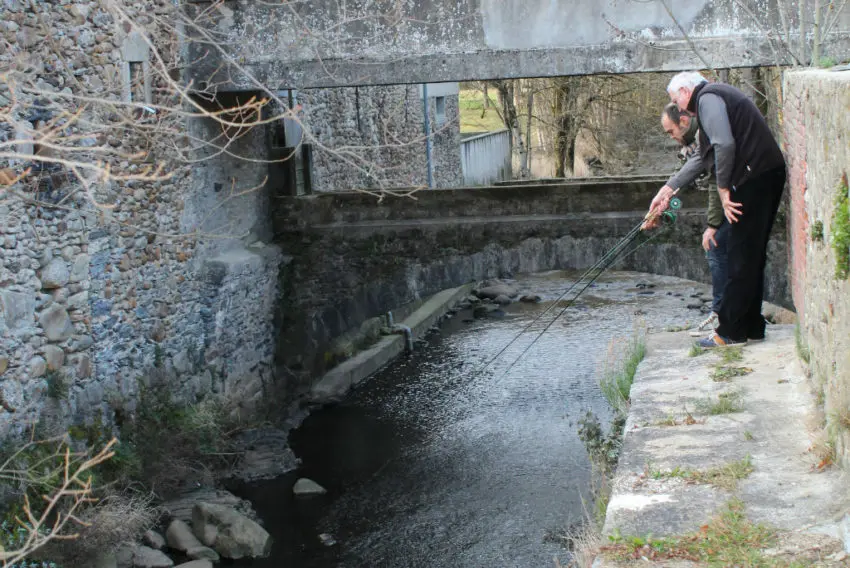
point(726, 373)
point(726, 403)
point(696, 351)
point(731, 354)
point(840, 231)
point(619, 372)
point(725, 476)
point(728, 539)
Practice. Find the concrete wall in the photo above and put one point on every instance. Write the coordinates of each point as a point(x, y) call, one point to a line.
point(486, 158)
point(376, 257)
point(817, 126)
point(421, 41)
point(370, 137)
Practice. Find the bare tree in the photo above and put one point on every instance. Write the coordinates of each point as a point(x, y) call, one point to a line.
point(63, 480)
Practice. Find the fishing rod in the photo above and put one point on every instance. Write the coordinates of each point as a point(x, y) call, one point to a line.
point(618, 252)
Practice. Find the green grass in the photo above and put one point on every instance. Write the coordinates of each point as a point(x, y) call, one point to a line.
point(728, 539)
point(748, 436)
point(840, 231)
point(725, 476)
point(473, 116)
point(619, 374)
point(725, 373)
point(731, 354)
point(696, 351)
point(668, 421)
point(726, 403)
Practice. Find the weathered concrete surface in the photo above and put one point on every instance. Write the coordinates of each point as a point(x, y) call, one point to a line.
point(327, 43)
point(342, 378)
point(816, 125)
point(775, 429)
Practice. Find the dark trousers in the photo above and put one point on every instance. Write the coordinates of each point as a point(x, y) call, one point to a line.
point(740, 309)
point(718, 263)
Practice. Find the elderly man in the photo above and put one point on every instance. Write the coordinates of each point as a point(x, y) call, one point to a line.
point(736, 142)
point(682, 128)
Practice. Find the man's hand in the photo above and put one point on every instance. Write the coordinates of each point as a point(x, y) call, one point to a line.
point(659, 204)
point(731, 210)
point(708, 238)
point(662, 200)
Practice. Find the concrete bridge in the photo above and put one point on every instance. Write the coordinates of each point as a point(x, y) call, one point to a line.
point(325, 43)
point(354, 259)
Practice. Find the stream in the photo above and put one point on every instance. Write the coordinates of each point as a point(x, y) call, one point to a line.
point(442, 461)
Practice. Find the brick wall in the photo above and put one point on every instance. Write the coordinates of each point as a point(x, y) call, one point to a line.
point(817, 127)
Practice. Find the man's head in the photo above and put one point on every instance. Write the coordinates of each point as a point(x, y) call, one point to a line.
point(682, 86)
point(675, 123)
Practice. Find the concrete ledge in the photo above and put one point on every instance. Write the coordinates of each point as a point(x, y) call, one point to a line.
point(774, 429)
point(336, 383)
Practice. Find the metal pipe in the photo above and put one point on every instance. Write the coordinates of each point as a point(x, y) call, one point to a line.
point(408, 336)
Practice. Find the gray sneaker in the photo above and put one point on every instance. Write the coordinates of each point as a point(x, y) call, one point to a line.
point(707, 325)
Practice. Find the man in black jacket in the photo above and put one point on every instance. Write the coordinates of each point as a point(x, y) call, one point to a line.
point(736, 142)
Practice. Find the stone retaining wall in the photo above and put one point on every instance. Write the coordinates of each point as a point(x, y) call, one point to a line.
point(817, 134)
point(170, 274)
point(354, 259)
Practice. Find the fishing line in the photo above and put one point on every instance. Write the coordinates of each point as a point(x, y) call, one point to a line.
point(615, 254)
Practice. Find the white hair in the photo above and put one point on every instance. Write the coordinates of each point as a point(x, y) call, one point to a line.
point(686, 79)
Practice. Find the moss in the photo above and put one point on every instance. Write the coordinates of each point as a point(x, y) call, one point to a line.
point(817, 231)
point(840, 231)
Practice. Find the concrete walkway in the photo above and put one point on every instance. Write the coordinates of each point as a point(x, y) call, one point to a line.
point(670, 426)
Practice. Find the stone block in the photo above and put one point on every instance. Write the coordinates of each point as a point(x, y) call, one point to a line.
point(230, 533)
point(56, 323)
point(182, 363)
point(55, 274)
point(4, 364)
point(38, 367)
point(17, 309)
point(79, 343)
point(180, 537)
point(78, 301)
point(82, 365)
point(55, 357)
point(154, 540)
point(80, 270)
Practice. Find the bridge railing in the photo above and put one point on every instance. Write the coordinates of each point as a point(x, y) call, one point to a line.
point(486, 158)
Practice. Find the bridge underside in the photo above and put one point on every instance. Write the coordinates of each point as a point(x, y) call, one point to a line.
point(321, 44)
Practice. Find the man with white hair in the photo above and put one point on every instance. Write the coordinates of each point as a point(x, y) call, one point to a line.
point(737, 144)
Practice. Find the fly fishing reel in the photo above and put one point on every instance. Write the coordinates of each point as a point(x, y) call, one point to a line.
point(672, 210)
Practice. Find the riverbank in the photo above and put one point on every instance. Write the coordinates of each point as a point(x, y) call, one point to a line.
point(723, 454)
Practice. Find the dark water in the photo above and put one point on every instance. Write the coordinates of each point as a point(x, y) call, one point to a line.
point(435, 463)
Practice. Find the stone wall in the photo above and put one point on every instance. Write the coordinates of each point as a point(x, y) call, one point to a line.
point(383, 130)
point(99, 288)
point(381, 256)
point(817, 126)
